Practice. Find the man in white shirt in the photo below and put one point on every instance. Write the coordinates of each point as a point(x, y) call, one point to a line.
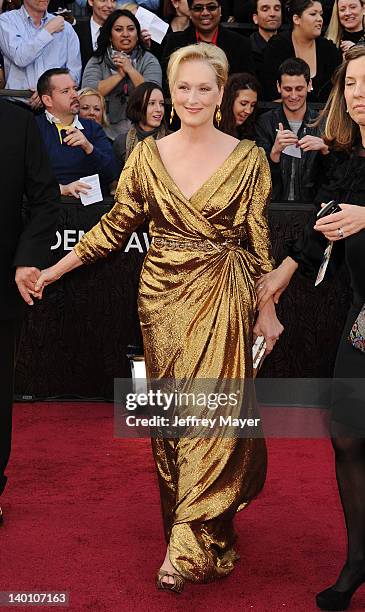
point(32, 41)
point(101, 9)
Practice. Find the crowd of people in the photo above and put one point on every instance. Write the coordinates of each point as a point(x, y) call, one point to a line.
point(289, 56)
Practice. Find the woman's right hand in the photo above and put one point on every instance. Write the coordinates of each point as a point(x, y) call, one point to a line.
point(269, 326)
point(47, 277)
point(50, 275)
point(274, 283)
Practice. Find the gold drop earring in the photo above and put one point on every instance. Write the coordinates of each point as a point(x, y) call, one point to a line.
point(218, 115)
point(172, 113)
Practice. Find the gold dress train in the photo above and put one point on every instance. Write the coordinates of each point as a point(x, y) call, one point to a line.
point(197, 308)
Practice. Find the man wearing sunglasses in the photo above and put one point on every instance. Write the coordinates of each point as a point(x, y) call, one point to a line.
point(205, 16)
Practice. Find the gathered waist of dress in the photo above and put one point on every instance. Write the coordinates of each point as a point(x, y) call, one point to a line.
point(203, 244)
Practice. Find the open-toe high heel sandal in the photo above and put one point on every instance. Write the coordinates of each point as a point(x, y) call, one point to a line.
point(176, 586)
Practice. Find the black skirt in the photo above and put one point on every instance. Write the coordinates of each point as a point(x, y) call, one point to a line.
point(348, 389)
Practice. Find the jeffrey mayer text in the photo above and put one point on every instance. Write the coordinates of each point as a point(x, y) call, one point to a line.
point(191, 421)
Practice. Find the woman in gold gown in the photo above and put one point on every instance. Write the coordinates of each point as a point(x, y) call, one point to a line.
point(203, 192)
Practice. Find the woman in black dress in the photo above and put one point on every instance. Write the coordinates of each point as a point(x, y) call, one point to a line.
point(303, 41)
point(345, 134)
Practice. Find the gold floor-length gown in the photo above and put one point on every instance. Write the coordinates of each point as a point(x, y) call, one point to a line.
point(197, 309)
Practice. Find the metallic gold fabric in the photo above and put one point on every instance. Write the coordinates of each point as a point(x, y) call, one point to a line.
point(197, 309)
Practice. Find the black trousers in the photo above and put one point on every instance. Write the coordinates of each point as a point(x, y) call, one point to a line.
point(7, 366)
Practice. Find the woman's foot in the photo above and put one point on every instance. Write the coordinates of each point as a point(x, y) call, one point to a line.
point(338, 597)
point(349, 575)
point(169, 568)
point(168, 578)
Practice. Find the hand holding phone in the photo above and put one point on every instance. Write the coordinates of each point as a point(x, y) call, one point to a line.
point(328, 209)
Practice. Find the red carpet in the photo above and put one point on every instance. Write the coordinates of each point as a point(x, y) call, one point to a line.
point(82, 515)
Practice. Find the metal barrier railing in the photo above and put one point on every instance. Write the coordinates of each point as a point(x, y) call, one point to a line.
point(289, 206)
point(16, 93)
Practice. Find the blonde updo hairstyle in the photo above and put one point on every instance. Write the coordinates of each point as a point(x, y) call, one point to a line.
point(203, 52)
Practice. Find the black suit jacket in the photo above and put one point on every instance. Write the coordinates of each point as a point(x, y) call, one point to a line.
point(236, 47)
point(25, 172)
point(309, 169)
point(83, 31)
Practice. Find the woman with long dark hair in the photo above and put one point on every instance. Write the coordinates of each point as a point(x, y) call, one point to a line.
point(239, 106)
point(146, 112)
point(120, 63)
point(304, 41)
point(344, 133)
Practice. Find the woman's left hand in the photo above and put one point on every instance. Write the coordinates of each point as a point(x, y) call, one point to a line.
point(346, 45)
point(350, 220)
point(123, 62)
point(268, 325)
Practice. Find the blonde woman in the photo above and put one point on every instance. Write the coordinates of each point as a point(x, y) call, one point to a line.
point(346, 27)
point(92, 106)
point(204, 192)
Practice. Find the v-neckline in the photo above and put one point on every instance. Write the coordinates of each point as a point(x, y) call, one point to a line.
point(316, 54)
point(209, 179)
